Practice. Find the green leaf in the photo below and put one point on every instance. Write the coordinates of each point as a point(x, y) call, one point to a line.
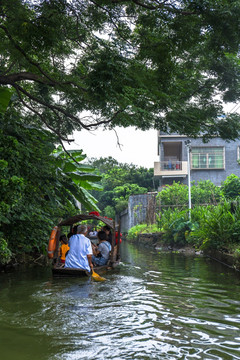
point(5, 96)
point(78, 177)
point(82, 196)
point(72, 166)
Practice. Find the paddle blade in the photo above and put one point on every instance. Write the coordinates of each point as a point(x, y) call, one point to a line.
point(97, 277)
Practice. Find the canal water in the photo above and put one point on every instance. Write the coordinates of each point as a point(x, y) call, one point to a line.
point(155, 306)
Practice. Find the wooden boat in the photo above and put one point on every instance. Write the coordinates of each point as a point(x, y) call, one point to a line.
point(59, 270)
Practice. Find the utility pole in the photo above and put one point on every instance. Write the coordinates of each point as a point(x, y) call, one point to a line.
point(188, 145)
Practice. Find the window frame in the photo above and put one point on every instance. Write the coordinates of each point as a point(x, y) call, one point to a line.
point(207, 157)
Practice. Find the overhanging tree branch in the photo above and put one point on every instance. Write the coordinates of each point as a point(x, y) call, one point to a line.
point(24, 76)
point(41, 117)
point(56, 109)
point(139, 58)
point(164, 5)
point(49, 80)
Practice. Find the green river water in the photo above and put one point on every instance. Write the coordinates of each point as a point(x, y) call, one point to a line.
point(154, 306)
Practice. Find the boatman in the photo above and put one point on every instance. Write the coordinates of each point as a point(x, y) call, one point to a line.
point(80, 253)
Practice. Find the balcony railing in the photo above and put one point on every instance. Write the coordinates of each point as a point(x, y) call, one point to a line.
point(170, 168)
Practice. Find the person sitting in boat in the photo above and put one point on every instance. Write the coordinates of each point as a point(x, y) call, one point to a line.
point(101, 252)
point(80, 252)
point(64, 248)
point(108, 232)
point(72, 232)
point(93, 233)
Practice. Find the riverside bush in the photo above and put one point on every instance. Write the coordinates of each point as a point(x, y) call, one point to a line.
point(219, 226)
point(142, 229)
point(5, 253)
point(231, 187)
point(176, 226)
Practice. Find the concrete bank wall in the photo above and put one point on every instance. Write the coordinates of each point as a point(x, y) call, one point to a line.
point(139, 210)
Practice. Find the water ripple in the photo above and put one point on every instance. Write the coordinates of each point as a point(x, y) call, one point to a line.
point(175, 311)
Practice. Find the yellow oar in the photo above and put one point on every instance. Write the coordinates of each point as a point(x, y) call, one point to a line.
point(97, 277)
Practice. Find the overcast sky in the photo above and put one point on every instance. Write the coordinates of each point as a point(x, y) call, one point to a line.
point(137, 147)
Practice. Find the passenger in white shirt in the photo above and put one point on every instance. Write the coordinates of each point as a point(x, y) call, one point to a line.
point(80, 252)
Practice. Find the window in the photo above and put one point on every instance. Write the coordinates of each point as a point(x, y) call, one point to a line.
point(208, 158)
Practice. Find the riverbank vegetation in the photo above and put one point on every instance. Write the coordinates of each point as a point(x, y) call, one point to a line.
point(39, 185)
point(214, 221)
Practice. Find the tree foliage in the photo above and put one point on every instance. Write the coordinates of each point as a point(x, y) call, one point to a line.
point(38, 186)
point(79, 64)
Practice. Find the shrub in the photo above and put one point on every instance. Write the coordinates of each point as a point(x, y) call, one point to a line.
point(218, 228)
point(141, 229)
point(176, 226)
point(175, 194)
point(204, 192)
point(5, 253)
point(231, 187)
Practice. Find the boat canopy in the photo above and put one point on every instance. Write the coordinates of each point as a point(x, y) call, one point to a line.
point(74, 219)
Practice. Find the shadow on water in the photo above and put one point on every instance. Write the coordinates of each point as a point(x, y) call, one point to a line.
point(155, 306)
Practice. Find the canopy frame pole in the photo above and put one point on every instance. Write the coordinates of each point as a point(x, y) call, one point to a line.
point(113, 243)
point(118, 238)
point(55, 255)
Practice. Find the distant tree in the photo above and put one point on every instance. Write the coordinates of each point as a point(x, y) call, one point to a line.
point(121, 195)
point(121, 205)
point(117, 174)
point(128, 189)
point(119, 181)
point(109, 211)
point(103, 164)
point(169, 65)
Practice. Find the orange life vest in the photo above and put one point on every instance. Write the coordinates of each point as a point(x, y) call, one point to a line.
point(63, 249)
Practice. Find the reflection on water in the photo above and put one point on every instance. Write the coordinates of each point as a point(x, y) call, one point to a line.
point(155, 306)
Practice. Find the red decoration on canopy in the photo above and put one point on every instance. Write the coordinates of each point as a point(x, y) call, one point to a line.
point(94, 213)
point(107, 218)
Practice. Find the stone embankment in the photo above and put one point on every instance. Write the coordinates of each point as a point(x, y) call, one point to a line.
point(155, 241)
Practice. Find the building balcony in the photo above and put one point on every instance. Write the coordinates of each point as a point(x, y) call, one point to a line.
point(170, 169)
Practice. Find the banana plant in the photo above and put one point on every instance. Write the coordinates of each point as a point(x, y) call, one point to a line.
point(75, 179)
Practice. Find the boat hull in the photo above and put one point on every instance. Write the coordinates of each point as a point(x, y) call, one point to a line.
point(76, 272)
